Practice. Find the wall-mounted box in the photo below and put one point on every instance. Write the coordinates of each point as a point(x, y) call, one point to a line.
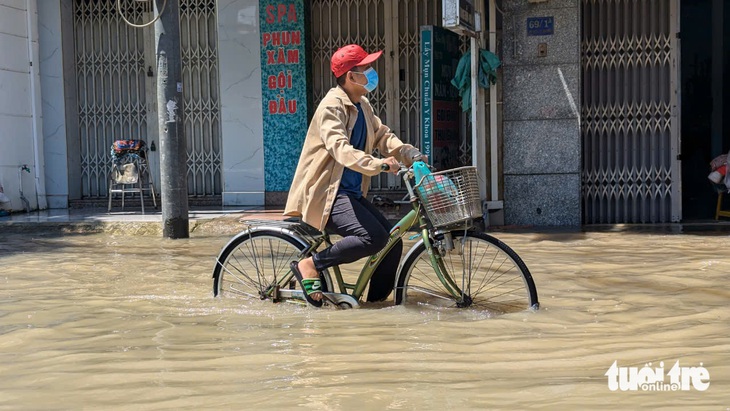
point(459, 16)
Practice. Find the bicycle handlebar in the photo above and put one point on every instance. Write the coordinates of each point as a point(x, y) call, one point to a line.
point(407, 171)
point(403, 168)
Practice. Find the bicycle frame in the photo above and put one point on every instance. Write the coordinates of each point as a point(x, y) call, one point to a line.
point(372, 263)
point(412, 218)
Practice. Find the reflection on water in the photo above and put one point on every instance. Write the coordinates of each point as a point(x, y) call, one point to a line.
point(123, 322)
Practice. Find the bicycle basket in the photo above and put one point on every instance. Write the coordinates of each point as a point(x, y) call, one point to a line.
point(450, 197)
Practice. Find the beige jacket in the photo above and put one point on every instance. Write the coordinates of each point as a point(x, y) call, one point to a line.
point(327, 151)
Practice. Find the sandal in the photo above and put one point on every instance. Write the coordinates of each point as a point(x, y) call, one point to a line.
point(309, 285)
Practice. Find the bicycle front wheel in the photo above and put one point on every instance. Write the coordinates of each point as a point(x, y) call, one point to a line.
point(480, 273)
point(252, 265)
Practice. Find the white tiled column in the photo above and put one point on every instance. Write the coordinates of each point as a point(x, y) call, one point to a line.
point(54, 110)
point(21, 156)
point(241, 119)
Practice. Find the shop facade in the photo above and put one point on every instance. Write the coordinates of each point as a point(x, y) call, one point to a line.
point(585, 121)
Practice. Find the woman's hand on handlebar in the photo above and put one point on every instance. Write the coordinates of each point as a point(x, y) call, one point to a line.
point(392, 165)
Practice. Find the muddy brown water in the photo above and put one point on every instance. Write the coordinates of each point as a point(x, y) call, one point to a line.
point(128, 322)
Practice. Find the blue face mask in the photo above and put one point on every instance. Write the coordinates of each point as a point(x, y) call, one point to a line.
point(372, 76)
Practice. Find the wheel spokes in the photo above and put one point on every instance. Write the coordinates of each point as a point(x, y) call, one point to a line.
point(256, 265)
point(430, 292)
point(488, 278)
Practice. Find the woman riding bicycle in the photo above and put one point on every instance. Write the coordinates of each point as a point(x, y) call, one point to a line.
point(333, 175)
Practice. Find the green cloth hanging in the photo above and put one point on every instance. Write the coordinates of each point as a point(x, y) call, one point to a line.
point(488, 63)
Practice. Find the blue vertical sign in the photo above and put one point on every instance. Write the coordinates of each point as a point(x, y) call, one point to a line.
point(426, 91)
point(440, 114)
point(284, 89)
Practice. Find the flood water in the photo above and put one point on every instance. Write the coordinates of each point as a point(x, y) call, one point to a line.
point(98, 321)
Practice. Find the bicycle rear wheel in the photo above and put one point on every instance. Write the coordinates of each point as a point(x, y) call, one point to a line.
point(482, 273)
point(251, 265)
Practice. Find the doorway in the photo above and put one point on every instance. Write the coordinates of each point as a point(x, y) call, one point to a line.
point(115, 85)
point(628, 125)
point(705, 108)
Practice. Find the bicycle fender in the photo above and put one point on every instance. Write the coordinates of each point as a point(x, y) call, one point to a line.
point(405, 258)
point(292, 230)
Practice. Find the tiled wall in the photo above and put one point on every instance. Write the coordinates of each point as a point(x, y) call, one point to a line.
point(261, 144)
point(54, 110)
point(16, 103)
point(542, 156)
point(284, 85)
point(241, 106)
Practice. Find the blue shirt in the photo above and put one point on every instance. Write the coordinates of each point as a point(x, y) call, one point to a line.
point(351, 182)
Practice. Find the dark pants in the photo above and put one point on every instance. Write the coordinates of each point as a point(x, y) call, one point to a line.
point(364, 231)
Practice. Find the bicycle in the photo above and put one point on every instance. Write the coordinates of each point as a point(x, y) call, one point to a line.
point(450, 265)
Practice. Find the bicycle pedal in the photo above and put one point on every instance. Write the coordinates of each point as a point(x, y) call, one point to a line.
point(330, 302)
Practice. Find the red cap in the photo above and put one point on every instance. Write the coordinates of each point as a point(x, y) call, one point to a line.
point(349, 57)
